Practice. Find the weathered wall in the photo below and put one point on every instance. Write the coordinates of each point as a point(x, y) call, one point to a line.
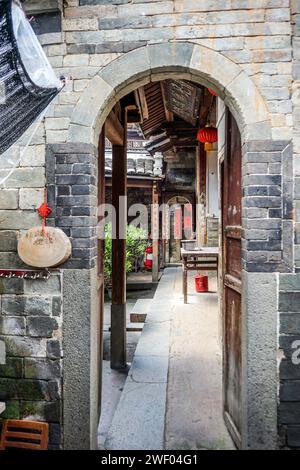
point(255, 35)
point(30, 326)
point(289, 284)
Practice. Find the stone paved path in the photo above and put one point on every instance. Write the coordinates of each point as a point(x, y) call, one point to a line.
point(172, 398)
point(194, 397)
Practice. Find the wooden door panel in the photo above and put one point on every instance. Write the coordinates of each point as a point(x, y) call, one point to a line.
point(233, 266)
point(232, 217)
point(233, 355)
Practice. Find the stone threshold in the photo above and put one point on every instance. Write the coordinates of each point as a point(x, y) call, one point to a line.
point(139, 420)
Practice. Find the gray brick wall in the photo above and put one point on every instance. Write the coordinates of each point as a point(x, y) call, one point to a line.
point(71, 172)
point(289, 317)
point(267, 206)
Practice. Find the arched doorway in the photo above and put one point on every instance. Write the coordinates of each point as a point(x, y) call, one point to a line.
point(193, 62)
point(178, 207)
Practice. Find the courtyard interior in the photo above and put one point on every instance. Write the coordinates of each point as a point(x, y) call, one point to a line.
point(171, 398)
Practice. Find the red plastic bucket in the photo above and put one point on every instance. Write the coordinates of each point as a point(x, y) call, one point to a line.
point(201, 283)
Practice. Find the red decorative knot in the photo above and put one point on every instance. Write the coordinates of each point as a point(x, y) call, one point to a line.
point(212, 92)
point(44, 211)
point(207, 135)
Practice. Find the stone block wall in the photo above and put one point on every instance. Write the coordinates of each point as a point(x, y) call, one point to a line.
point(254, 34)
point(289, 284)
point(267, 207)
point(71, 172)
point(30, 327)
point(289, 360)
point(296, 125)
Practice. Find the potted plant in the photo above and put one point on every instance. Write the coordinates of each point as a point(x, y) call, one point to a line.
point(136, 241)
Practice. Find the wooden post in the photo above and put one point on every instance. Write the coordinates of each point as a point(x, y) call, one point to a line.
point(101, 200)
point(155, 232)
point(118, 308)
point(163, 240)
point(201, 194)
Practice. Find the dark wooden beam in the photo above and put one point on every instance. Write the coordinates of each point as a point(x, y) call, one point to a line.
point(191, 133)
point(169, 143)
point(178, 125)
point(155, 233)
point(134, 117)
point(169, 114)
point(114, 130)
point(101, 286)
point(205, 108)
point(201, 194)
point(133, 183)
point(118, 308)
point(141, 101)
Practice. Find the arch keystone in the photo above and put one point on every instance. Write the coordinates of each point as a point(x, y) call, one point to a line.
point(127, 68)
point(176, 54)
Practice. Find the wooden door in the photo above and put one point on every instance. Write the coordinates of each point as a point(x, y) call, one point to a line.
point(231, 225)
point(101, 250)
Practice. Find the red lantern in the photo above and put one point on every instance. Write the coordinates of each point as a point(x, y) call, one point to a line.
point(212, 92)
point(207, 135)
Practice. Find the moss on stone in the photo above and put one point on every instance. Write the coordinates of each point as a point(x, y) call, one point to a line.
point(12, 410)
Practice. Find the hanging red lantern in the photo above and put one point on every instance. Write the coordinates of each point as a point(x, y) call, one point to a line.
point(212, 92)
point(207, 135)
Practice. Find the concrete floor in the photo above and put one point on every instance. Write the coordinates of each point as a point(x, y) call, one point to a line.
point(194, 395)
point(172, 397)
point(112, 387)
point(112, 381)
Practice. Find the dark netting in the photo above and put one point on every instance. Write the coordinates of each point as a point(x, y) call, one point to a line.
point(22, 101)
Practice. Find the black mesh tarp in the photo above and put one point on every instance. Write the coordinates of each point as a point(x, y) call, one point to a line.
point(21, 101)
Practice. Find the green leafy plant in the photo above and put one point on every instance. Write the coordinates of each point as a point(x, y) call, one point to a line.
point(136, 242)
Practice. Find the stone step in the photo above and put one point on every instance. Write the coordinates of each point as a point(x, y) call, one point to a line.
point(139, 419)
point(140, 310)
point(2, 352)
point(130, 327)
point(138, 317)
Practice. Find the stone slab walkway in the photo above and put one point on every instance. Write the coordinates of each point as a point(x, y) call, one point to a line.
point(194, 400)
point(172, 397)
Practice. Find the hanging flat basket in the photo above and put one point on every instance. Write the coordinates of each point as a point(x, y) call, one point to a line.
point(44, 248)
point(207, 135)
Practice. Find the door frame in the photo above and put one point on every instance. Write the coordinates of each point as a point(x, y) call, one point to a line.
point(187, 60)
point(232, 428)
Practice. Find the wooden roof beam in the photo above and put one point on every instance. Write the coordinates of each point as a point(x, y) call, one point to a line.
point(114, 130)
point(141, 101)
point(169, 114)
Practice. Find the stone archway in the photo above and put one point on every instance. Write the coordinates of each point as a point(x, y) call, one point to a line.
point(183, 60)
point(193, 62)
